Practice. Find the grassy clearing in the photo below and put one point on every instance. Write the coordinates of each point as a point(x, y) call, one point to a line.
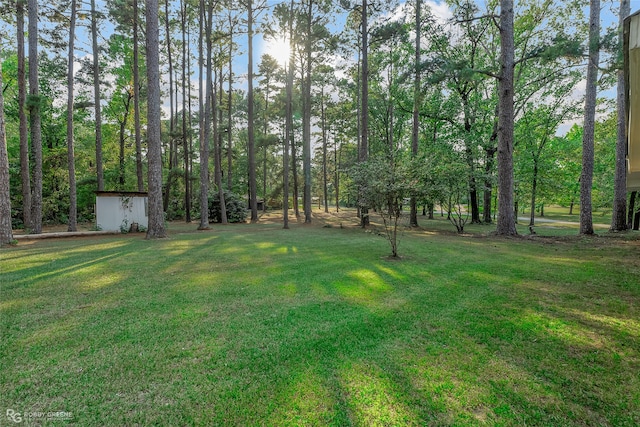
point(255, 325)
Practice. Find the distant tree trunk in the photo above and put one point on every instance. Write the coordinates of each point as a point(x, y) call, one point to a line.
point(122, 138)
point(218, 160)
point(229, 112)
point(534, 188)
point(25, 174)
point(490, 153)
point(96, 95)
point(156, 227)
point(71, 163)
point(205, 126)
point(359, 114)
point(363, 152)
point(323, 119)
point(35, 119)
point(506, 224)
point(618, 218)
point(265, 126)
point(294, 172)
point(306, 118)
point(185, 131)
point(6, 232)
point(288, 133)
point(586, 178)
point(136, 98)
point(631, 209)
point(415, 132)
point(251, 145)
point(336, 172)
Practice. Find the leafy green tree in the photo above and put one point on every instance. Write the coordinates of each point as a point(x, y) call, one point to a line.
point(534, 131)
point(383, 184)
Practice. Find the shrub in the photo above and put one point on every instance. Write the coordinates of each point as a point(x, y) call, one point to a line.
point(235, 204)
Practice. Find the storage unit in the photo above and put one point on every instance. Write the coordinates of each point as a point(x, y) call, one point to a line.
point(120, 210)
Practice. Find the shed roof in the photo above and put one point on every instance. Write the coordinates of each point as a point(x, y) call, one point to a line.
point(121, 193)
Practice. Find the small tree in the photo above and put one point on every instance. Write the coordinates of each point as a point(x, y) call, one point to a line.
point(383, 186)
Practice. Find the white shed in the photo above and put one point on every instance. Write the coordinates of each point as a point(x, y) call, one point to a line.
point(632, 80)
point(119, 210)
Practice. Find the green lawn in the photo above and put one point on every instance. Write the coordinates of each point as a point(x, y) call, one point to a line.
point(255, 325)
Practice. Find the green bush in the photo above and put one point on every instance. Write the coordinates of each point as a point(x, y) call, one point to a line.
point(236, 207)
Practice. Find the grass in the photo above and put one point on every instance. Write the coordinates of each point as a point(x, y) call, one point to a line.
point(561, 213)
point(255, 325)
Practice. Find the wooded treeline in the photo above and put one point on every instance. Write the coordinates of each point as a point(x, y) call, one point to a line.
point(377, 104)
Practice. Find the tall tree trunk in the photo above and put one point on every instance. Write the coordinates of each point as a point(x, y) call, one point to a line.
point(35, 120)
point(415, 130)
point(306, 119)
point(71, 163)
point(288, 133)
point(6, 232)
point(619, 215)
point(136, 98)
point(506, 224)
point(294, 172)
point(251, 145)
point(264, 148)
point(25, 173)
point(229, 112)
point(185, 139)
point(586, 178)
point(324, 152)
point(156, 227)
point(172, 151)
point(205, 127)
point(363, 152)
point(190, 116)
point(96, 95)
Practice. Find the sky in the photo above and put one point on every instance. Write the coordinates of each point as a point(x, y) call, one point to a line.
point(275, 48)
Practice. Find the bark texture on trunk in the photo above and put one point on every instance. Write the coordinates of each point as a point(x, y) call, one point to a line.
point(506, 223)
point(156, 227)
point(35, 120)
point(6, 233)
point(363, 152)
point(413, 216)
point(25, 173)
point(619, 214)
point(71, 163)
point(251, 149)
point(586, 177)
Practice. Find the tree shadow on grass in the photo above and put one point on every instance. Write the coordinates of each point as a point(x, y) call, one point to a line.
point(242, 329)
